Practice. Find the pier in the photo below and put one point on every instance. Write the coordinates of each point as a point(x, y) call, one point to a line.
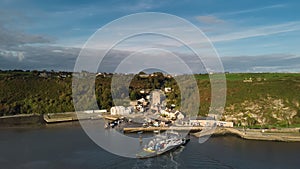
point(70, 116)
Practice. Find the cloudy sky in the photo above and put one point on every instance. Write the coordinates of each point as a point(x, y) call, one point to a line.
point(249, 35)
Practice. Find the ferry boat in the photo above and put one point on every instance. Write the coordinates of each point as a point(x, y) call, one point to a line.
point(161, 144)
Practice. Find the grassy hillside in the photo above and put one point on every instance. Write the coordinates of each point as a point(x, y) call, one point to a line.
point(258, 99)
point(269, 99)
point(253, 99)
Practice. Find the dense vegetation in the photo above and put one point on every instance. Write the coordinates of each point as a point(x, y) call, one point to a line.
point(252, 98)
point(29, 92)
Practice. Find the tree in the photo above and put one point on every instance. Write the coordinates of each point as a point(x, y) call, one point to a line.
point(133, 95)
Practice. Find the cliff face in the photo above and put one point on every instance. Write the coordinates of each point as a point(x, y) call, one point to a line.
point(266, 100)
point(262, 112)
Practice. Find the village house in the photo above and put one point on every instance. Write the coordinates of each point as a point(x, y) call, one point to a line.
point(168, 89)
point(247, 80)
point(121, 110)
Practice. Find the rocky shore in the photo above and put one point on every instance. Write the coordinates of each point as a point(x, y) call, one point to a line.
point(286, 135)
point(21, 120)
point(42, 119)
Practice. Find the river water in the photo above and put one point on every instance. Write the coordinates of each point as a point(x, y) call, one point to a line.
point(68, 147)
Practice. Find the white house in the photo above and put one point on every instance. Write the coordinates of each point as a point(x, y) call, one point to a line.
point(140, 108)
point(165, 113)
point(172, 115)
point(142, 100)
point(120, 110)
point(168, 89)
point(179, 115)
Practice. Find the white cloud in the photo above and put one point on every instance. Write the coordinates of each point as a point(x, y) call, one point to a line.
point(12, 54)
point(255, 9)
point(210, 19)
point(258, 31)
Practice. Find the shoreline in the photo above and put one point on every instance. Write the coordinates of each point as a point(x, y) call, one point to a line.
point(36, 120)
point(23, 120)
point(284, 135)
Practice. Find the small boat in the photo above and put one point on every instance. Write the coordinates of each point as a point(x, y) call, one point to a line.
point(156, 131)
point(113, 123)
point(161, 144)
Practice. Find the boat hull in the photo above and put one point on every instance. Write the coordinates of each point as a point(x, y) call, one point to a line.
point(147, 154)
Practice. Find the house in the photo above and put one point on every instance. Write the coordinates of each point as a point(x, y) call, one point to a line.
point(156, 98)
point(168, 89)
point(224, 124)
point(143, 75)
point(63, 75)
point(140, 108)
point(145, 91)
point(44, 75)
point(142, 100)
point(168, 76)
point(133, 103)
point(172, 115)
point(164, 113)
point(247, 80)
point(179, 115)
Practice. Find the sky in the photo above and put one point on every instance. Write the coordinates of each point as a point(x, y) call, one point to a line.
point(249, 35)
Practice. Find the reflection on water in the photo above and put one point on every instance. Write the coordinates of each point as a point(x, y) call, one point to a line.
point(62, 147)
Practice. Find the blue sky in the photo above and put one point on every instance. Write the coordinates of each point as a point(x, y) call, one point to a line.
point(240, 29)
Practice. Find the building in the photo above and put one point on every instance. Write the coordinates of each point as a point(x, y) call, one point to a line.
point(44, 75)
point(140, 108)
point(164, 113)
point(156, 99)
point(120, 110)
point(95, 111)
point(143, 75)
point(247, 80)
point(179, 115)
point(145, 91)
point(142, 100)
point(168, 89)
point(133, 103)
point(210, 123)
point(172, 114)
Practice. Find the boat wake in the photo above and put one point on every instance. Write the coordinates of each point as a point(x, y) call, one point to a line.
point(172, 159)
point(168, 160)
